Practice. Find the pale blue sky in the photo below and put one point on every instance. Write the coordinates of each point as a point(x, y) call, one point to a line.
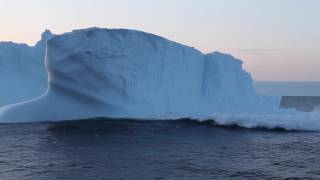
point(276, 39)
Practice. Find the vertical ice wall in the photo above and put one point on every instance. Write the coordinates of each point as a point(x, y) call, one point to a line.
point(22, 72)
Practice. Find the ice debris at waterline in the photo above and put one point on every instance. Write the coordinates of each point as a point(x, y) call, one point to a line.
point(118, 73)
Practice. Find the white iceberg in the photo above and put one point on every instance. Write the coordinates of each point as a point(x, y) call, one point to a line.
point(121, 73)
point(118, 73)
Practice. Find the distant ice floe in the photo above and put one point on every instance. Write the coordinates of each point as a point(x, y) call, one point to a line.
point(316, 109)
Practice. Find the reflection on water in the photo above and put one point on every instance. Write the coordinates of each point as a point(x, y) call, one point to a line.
point(154, 150)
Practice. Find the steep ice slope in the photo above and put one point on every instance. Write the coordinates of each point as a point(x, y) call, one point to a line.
point(22, 72)
point(130, 74)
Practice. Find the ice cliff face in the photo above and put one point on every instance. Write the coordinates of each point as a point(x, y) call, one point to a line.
point(22, 72)
point(121, 73)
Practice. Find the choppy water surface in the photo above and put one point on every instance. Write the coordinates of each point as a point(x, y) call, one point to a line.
point(154, 150)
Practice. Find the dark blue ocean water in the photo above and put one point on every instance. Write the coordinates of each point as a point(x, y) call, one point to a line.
point(107, 149)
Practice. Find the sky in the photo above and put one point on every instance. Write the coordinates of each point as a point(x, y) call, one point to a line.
point(278, 40)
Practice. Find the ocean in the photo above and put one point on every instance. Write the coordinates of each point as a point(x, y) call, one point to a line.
point(184, 149)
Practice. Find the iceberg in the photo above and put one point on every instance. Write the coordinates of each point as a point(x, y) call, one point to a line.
point(120, 73)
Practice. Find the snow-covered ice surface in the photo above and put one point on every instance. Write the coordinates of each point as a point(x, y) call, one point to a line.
point(118, 73)
point(22, 72)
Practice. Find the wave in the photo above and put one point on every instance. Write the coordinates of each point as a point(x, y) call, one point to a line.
point(302, 121)
point(287, 121)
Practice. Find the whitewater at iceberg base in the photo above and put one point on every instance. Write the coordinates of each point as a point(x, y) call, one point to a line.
point(118, 73)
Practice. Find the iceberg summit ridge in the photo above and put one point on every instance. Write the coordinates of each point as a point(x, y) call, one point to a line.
point(120, 73)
